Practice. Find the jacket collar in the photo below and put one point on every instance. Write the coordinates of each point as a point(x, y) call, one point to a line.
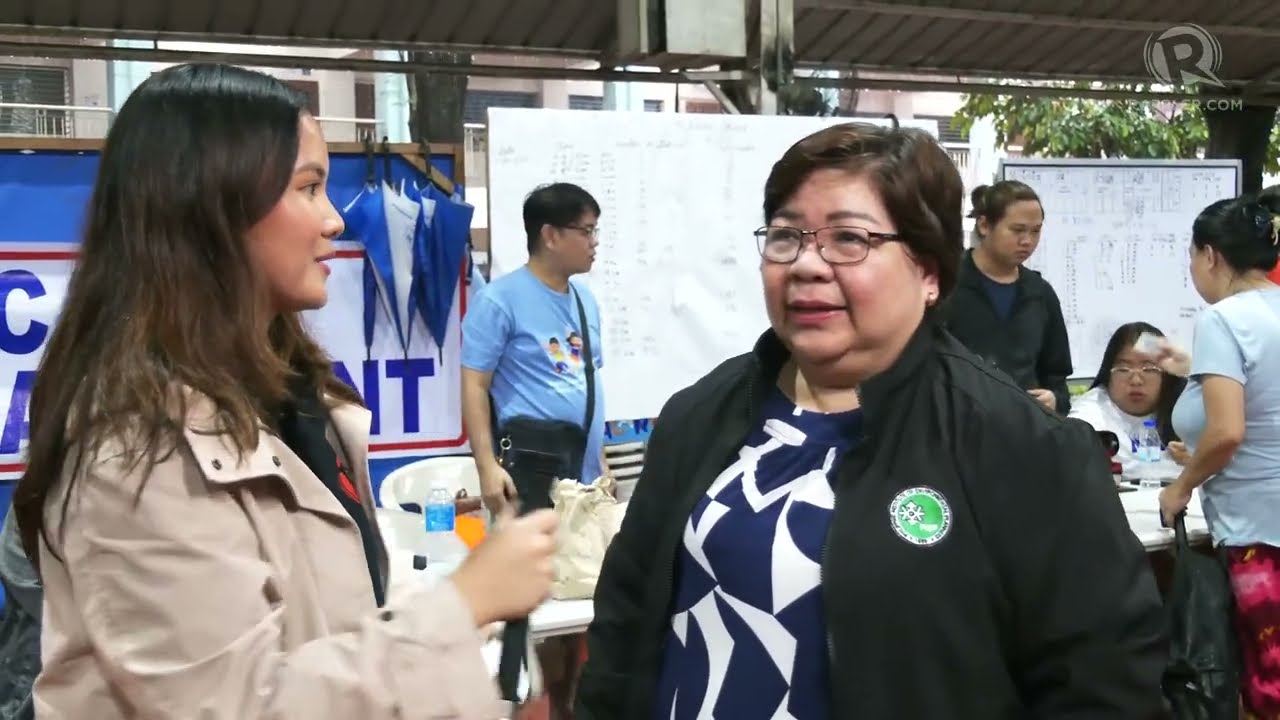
point(221, 464)
point(874, 393)
point(971, 277)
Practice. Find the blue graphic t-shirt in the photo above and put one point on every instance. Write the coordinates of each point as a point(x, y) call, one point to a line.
point(528, 336)
point(748, 635)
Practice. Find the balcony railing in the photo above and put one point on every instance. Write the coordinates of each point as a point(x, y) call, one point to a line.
point(959, 155)
point(71, 121)
point(54, 121)
point(343, 129)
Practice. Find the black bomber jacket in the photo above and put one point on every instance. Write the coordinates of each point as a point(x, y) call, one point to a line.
point(1038, 602)
point(1030, 346)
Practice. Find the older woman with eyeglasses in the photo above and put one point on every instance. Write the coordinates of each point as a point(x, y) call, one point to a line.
point(860, 518)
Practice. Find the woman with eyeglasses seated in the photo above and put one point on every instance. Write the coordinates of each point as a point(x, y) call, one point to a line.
point(1128, 390)
point(859, 518)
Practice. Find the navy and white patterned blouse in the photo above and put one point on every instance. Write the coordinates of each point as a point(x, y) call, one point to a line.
point(748, 634)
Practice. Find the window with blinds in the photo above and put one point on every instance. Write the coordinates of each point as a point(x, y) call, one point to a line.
point(653, 106)
point(478, 103)
point(31, 85)
point(586, 102)
point(947, 134)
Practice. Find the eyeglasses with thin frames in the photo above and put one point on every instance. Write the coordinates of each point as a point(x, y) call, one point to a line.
point(837, 245)
point(591, 232)
point(1124, 372)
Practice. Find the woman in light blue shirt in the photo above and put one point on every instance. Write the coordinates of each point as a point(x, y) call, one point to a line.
point(1229, 416)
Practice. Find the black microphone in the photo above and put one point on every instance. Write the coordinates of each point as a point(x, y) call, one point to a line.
point(532, 473)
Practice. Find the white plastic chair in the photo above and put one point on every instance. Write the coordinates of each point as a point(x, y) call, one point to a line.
point(402, 533)
point(411, 483)
point(626, 460)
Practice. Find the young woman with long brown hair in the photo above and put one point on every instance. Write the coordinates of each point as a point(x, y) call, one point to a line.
point(197, 495)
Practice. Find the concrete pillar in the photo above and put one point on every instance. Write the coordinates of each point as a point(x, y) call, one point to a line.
point(439, 99)
point(623, 96)
point(770, 51)
point(770, 57)
point(124, 76)
point(391, 100)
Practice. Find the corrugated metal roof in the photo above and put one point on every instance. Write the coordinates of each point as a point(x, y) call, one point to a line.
point(567, 25)
point(1094, 39)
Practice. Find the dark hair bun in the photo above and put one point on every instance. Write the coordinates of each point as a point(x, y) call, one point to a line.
point(1261, 218)
point(978, 199)
point(1245, 231)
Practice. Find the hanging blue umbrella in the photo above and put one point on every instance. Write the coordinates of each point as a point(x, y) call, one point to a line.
point(419, 306)
point(447, 238)
point(366, 223)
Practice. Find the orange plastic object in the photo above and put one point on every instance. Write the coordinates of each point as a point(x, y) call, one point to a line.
point(470, 529)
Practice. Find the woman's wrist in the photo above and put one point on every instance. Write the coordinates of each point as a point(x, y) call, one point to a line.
point(473, 596)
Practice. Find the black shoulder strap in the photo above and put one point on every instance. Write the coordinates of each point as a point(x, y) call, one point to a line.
point(588, 360)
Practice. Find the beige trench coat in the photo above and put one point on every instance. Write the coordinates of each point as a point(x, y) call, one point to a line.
point(238, 590)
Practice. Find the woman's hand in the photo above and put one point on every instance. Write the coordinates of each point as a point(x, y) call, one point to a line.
point(510, 573)
point(1045, 398)
point(1173, 502)
point(1171, 358)
point(1178, 452)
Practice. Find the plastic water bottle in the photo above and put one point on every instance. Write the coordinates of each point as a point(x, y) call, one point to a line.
point(443, 548)
point(1150, 452)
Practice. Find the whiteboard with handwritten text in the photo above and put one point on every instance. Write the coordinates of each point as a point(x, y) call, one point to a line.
point(677, 270)
point(1116, 239)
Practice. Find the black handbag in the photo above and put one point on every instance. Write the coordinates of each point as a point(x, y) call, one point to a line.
point(1202, 679)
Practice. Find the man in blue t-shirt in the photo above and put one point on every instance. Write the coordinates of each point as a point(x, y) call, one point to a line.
point(522, 340)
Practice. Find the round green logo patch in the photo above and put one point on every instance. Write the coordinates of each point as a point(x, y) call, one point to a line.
point(920, 515)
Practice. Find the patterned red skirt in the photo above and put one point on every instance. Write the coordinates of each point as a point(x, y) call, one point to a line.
point(1255, 581)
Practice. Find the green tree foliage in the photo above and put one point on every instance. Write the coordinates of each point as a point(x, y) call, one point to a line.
point(1086, 128)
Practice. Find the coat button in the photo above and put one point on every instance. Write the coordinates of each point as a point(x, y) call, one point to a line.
point(217, 464)
point(275, 459)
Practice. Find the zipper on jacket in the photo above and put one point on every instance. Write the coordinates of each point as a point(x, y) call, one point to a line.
point(668, 571)
point(822, 588)
point(845, 462)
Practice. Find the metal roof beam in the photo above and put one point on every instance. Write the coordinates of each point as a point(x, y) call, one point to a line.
point(73, 52)
point(980, 87)
point(1027, 18)
point(224, 38)
point(1270, 77)
point(983, 72)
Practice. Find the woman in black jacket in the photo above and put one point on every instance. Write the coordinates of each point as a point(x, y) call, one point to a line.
point(1006, 313)
point(860, 519)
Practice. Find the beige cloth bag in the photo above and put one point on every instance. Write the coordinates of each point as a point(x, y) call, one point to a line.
point(589, 518)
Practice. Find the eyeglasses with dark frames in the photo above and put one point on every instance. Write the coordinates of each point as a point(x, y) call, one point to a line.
point(838, 245)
